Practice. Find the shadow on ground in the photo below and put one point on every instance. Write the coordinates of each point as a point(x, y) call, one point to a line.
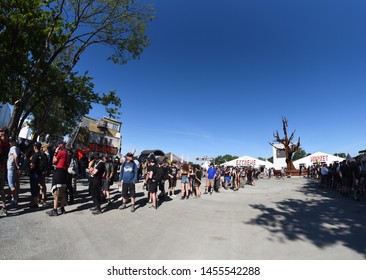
point(323, 217)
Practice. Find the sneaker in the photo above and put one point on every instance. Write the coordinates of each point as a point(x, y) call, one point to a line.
point(3, 212)
point(52, 213)
point(133, 208)
point(174, 195)
point(93, 208)
point(61, 211)
point(96, 212)
point(42, 204)
point(123, 206)
point(182, 198)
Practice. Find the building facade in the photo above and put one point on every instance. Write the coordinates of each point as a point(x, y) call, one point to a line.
point(94, 136)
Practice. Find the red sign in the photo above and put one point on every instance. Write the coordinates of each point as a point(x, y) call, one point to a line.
point(245, 162)
point(320, 158)
point(98, 148)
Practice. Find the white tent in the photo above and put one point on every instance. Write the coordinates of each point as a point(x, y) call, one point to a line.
point(248, 161)
point(317, 158)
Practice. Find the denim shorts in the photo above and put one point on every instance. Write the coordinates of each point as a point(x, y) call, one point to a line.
point(185, 179)
point(11, 179)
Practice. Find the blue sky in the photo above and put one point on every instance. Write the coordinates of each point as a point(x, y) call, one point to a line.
point(219, 75)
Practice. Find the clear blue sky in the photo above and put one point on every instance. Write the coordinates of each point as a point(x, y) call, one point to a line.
point(219, 75)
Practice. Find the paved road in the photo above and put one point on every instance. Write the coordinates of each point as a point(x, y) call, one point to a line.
point(274, 220)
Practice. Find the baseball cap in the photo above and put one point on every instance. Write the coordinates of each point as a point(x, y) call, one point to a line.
point(129, 155)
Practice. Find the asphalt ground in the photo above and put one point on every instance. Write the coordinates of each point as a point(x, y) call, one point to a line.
point(291, 219)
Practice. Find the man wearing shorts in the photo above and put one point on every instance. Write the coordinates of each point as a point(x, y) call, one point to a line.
point(210, 183)
point(13, 166)
point(128, 178)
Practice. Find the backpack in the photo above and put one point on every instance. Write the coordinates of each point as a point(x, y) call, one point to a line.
point(158, 174)
point(43, 163)
point(72, 169)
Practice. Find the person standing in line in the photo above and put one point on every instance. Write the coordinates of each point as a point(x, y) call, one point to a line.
point(44, 167)
point(128, 178)
point(151, 182)
point(13, 167)
point(35, 175)
point(185, 181)
point(210, 182)
point(192, 176)
point(107, 178)
point(96, 180)
point(4, 151)
point(59, 179)
point(198, 181)
point(172, 173)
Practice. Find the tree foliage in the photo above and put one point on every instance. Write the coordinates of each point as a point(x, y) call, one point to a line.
point(300, 153)
point(41, 41)
point(222, 159)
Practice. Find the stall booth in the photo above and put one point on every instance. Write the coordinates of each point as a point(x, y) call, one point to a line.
point(317, 158)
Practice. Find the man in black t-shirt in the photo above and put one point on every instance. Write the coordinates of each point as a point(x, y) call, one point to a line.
point(97, 170)
point(172, 177)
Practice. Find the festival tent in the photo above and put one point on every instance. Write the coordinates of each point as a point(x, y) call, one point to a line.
point(317, 158)
point(248, 161)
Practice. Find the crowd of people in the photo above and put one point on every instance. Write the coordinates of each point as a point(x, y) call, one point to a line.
point(42, 160)
point(347, 177)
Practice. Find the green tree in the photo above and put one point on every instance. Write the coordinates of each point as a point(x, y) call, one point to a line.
point(299, 154)
point(41, 41)
point(222, 159)
point(342, 155)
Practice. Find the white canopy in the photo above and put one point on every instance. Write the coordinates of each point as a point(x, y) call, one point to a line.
point(317, 158)
point(248, 161)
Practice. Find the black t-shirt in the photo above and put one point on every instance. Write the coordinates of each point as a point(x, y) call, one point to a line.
point(173, 171)
point(36, 163)
point(154, 170)
point(100, 166)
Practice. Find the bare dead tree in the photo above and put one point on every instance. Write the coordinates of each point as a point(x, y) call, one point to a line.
point(289, 147)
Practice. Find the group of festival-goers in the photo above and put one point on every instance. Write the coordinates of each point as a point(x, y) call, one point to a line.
point(42, 162)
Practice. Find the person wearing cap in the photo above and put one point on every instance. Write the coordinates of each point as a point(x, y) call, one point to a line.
point(59, 180)
point(13, 167)
point(4, 151)
point(128, 178)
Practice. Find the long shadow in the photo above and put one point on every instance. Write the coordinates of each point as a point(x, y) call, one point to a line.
point(323, 217)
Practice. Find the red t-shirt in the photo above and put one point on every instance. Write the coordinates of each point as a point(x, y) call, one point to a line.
point(62, 160)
